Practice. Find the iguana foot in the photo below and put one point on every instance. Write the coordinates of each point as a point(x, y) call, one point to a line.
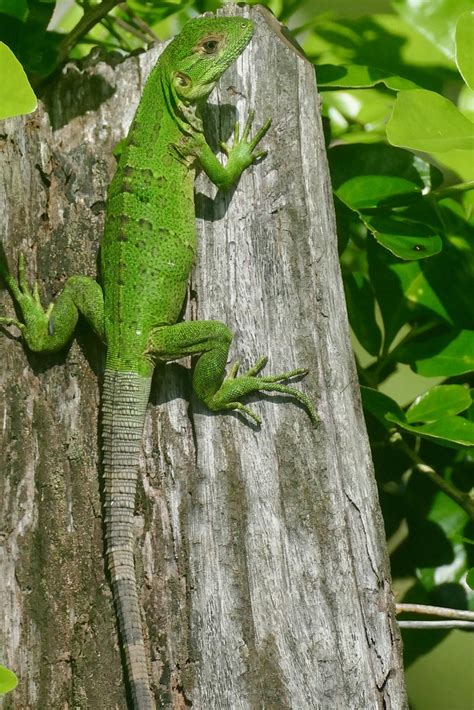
point(48, 330)
point(242, 150)
point(28, 299)
point(234, 387)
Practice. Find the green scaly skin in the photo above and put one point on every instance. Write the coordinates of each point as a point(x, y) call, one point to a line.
point(147, 254)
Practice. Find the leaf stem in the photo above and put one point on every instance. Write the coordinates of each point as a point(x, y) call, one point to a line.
point(453, 189)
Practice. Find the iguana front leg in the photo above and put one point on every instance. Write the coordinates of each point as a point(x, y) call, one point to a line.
point(239, 156)
point(49, 330)
point(211, 341)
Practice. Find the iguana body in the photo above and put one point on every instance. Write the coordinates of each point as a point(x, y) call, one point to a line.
point(147, 253)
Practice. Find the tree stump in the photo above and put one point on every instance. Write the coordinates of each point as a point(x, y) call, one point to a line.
point(260, 553)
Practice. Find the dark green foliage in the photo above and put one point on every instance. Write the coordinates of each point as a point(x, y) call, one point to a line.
point(26, 34)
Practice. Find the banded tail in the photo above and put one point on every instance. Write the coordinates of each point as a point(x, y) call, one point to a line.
point(124, 402)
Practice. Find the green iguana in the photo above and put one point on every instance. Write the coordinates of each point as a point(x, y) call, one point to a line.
point(147, 253)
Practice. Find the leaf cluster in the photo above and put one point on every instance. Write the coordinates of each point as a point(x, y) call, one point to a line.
point(400, 155)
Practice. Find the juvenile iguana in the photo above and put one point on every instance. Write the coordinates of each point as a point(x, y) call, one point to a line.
point(147, 253)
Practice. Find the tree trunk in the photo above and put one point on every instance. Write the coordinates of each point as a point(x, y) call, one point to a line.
point(260, 552)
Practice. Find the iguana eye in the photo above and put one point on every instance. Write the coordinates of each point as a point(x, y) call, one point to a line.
point(210, 46)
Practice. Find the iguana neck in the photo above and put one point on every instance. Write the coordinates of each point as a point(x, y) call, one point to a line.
point(162, 119)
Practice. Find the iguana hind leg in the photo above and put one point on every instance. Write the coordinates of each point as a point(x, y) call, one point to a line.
point(49, 330)
point(211, 341)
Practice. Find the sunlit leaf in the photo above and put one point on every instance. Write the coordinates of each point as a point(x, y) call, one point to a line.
point(439, 402)
point(424, 120)
point(435, 19)
point(16, 95)
point(466, 102)
point(8, 680)
point(464, 47)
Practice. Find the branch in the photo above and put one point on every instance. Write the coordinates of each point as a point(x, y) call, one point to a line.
point(90, 18)
point(436, 624)
point(447, 612)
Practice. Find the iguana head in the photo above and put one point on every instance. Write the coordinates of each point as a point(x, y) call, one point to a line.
point(201, 53)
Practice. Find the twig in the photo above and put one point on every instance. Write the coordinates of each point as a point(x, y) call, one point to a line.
point(436, 624)
point(109, 26)
point(90, 18)
point(141, 24)
point(130, 29)
point(462, 499)
point(447, 612)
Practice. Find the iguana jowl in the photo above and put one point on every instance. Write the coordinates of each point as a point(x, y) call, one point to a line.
point(147, 253)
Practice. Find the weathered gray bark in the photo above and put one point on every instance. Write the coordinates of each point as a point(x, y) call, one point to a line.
point(260, 553)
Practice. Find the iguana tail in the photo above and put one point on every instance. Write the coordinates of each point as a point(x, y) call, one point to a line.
point(124, 402)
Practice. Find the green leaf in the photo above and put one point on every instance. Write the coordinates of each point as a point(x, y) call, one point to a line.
point(366, 192)
point(379, 175)
point(435, 19)
point(381, 406)
point(15, 8)
point(35, 47)
point(448, 431)
point(426, 288)
point(389, 295)
point(361, 309)
point(409, 281)
point(403, 237)
point(439, 402)
point(16, 95)
point(354, 76)
point(422, 285)
point(470, 578)
point(8, 680)
point(464, 47)
point(466, 102)
point(423, 120)
point(444, 355)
